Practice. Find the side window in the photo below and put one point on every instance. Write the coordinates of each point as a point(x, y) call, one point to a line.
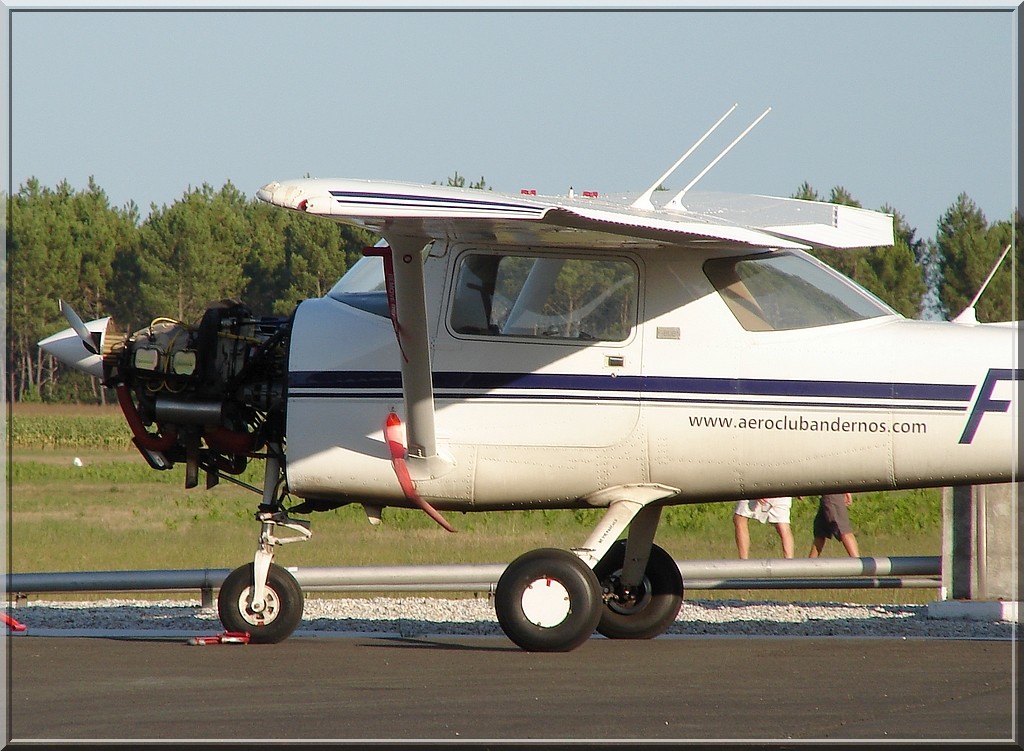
point(780, 291)
point(549, 297)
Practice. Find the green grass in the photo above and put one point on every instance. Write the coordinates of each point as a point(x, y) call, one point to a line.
point(115, 513)
point(100, 428)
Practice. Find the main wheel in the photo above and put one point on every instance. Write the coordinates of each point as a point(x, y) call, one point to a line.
point(548, 600)
point(646, 610)
point(283, 610)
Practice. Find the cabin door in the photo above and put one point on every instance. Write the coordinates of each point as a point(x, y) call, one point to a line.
point(538, 349)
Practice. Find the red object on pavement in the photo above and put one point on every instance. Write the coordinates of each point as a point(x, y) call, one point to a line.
point(13, 624)
point(228, 637)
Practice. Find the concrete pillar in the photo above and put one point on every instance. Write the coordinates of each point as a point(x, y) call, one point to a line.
point(980, 529)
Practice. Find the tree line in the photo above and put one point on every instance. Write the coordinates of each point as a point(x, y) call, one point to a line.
point(935, 278)
point(207, 246)
point(212, 244)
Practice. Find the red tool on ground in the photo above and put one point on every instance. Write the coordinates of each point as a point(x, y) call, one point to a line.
point(13, 624)
point(228, 637)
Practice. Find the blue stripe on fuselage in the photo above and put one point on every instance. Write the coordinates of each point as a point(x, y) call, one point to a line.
point(654, 388)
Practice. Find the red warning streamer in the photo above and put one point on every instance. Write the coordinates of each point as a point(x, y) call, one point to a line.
point(392, 435)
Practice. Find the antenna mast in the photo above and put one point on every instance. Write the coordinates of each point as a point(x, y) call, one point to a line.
point(644, 201)
point(967, 315)
point(675, 201)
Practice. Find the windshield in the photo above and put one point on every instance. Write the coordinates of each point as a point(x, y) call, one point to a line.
point(781, 291)
point(366, 275)
point(362, 286)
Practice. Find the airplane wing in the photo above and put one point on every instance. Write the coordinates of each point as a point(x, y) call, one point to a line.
point(718, 220)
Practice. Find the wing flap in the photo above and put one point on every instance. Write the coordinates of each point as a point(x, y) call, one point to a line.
point(665, 231)
point(819, 224)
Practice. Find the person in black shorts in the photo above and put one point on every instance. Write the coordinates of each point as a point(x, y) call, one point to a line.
point(833, 520)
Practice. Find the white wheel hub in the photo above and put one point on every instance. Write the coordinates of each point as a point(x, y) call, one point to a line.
point(269, 613)
point(546, 602)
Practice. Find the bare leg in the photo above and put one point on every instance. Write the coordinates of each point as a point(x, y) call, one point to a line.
point(742, 535)
point(786, 535)
point(816, 547)
point(850, 543)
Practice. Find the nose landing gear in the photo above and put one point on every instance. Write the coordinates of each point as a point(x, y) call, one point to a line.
point(280, 613)
point(263, 598)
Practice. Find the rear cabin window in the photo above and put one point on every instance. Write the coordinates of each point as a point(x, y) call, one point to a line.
point(783, 291)
point(552, 298)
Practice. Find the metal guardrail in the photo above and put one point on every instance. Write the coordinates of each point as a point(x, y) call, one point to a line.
point(766, 573)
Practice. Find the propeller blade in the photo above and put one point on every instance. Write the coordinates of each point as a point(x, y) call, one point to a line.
point(79, 326)
point(79, 346)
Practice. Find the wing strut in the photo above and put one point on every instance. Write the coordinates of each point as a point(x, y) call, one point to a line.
point(407, 301)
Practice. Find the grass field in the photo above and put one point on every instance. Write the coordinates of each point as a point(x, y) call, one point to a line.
point(115, 513)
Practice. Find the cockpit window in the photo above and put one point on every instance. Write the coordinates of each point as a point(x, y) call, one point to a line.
point(549, 297)
point(781, 291)
point(362, 286)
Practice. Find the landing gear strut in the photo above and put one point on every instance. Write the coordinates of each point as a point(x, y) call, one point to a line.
point(263, 598)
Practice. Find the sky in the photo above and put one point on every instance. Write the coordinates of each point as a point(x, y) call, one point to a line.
point(903, 106)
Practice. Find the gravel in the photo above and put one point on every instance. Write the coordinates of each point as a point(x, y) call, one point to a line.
point(426, 616)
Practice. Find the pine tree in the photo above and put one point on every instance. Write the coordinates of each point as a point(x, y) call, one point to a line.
point(967, 249)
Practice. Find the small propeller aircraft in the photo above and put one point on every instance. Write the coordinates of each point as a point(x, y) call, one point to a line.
point(502, 352)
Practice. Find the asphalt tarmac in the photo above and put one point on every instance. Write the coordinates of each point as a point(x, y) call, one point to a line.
point(763, 690)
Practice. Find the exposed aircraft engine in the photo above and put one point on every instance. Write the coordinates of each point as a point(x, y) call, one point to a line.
point(211, 395)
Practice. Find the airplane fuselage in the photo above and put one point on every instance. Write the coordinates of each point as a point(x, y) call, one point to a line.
point(689, 396)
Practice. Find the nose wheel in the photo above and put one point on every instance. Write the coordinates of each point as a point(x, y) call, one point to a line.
point(280, 613)
point(548, 600)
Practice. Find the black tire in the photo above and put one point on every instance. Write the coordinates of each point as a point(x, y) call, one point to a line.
point(281, 616)
point(548, 600)
point(646, 612)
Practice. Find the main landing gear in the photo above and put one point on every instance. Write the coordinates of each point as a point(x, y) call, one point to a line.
point(263, 598)
point(551, 600)
point(548, 600)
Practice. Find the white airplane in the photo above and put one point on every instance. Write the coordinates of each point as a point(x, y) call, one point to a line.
point(502, 352)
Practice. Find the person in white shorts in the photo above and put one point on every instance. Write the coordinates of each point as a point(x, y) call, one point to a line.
point(765, 510)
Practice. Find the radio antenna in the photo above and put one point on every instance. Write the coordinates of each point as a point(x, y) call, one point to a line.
point(644, 201)
point(967, 315)
point(675, 200)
